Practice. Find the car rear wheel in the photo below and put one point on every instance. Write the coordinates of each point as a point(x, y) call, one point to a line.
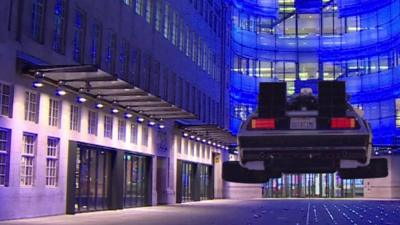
point(377, 168)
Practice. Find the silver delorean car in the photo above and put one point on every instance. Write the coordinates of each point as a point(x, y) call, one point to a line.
point(304, 133)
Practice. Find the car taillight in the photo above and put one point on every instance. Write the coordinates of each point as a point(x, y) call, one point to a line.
point(263, 123)
point(343, 123)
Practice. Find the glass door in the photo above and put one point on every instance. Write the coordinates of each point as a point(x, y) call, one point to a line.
point(204, 182)
point(92, 179)
point(136, 180)
point(187, 182)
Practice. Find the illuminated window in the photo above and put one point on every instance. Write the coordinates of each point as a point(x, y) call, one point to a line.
point(242, 111)
point(75, 118)
point(28, 160)
point(38, 18)
point(124, 57)
point(194, 46)
point(4, 156)
point(60, 14)
point(79, 36)
point(52, 161)
point(121, 130)
point(182, 40)
point(111, 51)
point(158, 23)
point(92, 122)
point(95, 44)
point(149, 11)
point(167, 21)
point(127, 2)
point(398, 112)
point(31, 106)
point(199, 52)
point(188, 42)
point(175, 27)
point(54, 112)
point(108, 126)
point(139, 7)
point(5, 100)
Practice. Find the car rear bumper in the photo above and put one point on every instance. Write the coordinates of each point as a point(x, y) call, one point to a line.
point(306, 146)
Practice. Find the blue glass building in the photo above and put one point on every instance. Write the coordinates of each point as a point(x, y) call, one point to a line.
point(301, 42)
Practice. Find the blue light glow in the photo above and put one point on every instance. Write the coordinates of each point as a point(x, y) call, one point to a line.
point(357, 41)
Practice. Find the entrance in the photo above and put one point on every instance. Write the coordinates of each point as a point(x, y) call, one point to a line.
point(162, 180)
point(205, 184)
point(194, 182)
point(312, 186)
point(92, 179)
point(187, 182)
point(136, 180)
point(101, 178)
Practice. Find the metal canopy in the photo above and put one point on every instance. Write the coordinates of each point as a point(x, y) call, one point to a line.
point(212, 132)
point(90, 81)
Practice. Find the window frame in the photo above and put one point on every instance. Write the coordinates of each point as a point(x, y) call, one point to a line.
point(60, 26)
point(5, 156)
point(32, 108)
point(6, 110)
point(52, 177)
point(75, 118)
point(38, 21)
point(55, 113)
point(121, 130)
point(108, 126)
point(28, 160)
point(93, 122)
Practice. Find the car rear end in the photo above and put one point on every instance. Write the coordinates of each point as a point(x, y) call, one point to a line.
point(323, 129)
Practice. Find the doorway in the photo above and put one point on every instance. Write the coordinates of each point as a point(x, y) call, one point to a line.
point(162, 180)
point(92, 179)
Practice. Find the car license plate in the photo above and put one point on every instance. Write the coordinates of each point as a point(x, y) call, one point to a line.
point(303, 123)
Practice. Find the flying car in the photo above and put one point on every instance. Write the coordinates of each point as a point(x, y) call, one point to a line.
point(304, 133)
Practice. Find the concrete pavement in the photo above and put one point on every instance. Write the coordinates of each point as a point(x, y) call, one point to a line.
point(240, 212)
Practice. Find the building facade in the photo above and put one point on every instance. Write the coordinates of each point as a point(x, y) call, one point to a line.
point(72, 140)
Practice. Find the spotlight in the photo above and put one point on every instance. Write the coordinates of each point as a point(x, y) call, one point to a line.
point(37, 84)
point(81, 99)
point(151, 123)
point(204, 140)
point(198, 139)
point(114, 110)
point(214, 144)
point(161, 126)
point(218, 145)
point(185, 134)
point(209, 142)
point(99, 105)
point(192, 137)
point(128, 115)
point(60, 92)
point(390, 151)
point(140, 120)
point(376, 153)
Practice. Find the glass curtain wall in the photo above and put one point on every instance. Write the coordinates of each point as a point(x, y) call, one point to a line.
point(312, 186)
